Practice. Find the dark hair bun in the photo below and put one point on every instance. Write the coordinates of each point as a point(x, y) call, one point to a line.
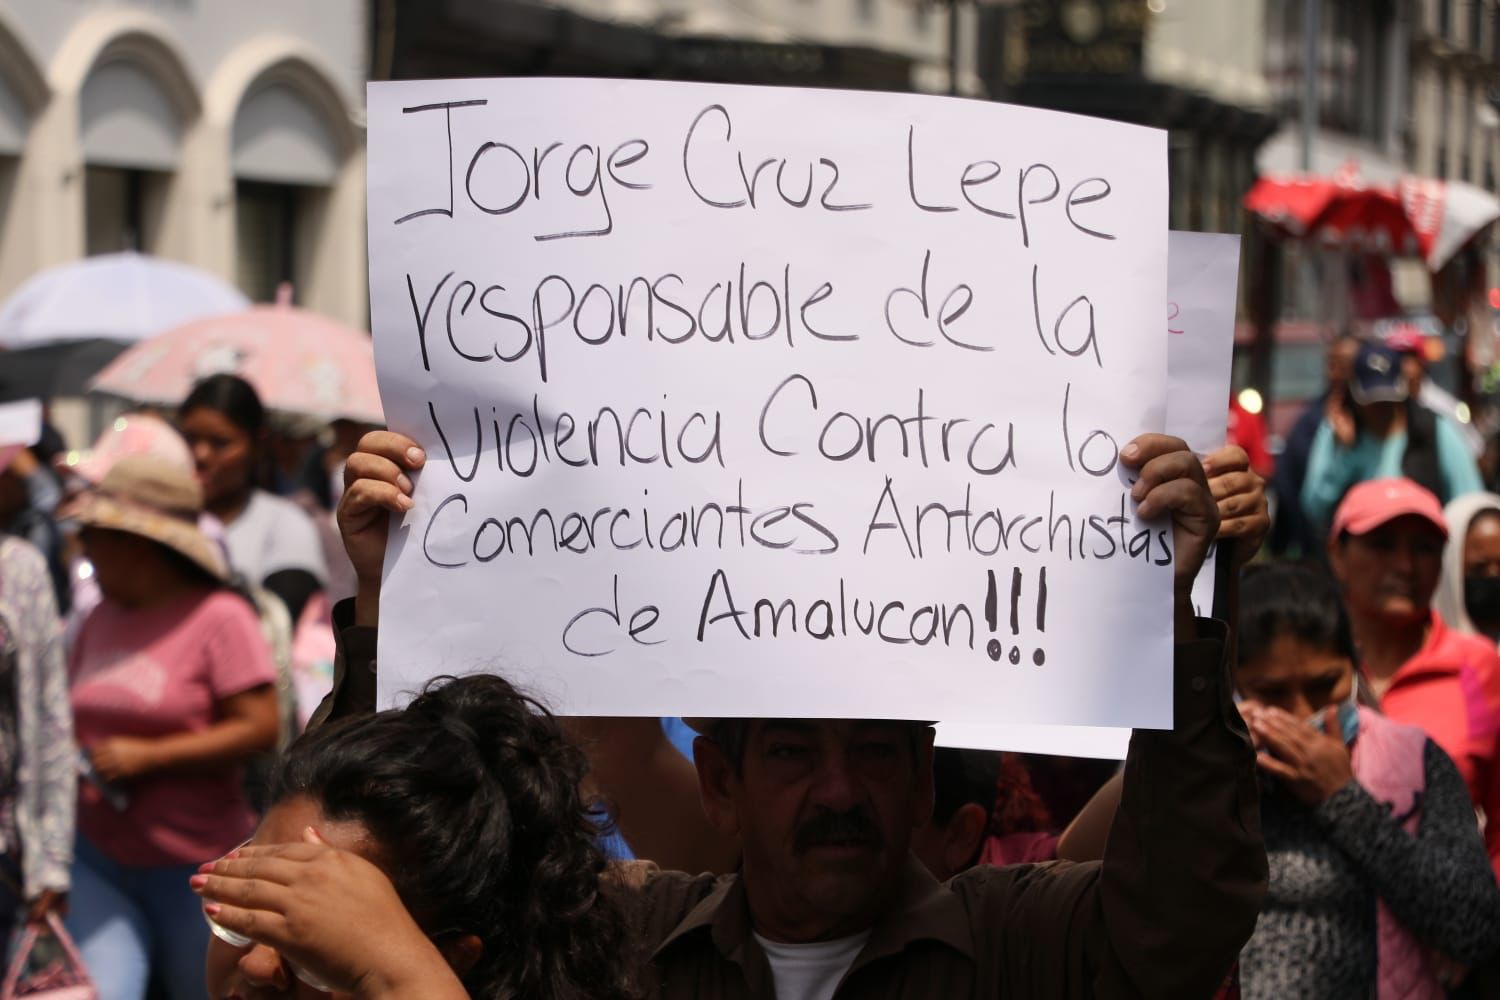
point(472, 793)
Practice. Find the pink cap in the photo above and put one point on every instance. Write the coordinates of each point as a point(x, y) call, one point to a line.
point(1379, 501)
point(135, 434)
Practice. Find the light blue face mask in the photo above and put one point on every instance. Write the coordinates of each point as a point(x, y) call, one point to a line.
point(1348, 715)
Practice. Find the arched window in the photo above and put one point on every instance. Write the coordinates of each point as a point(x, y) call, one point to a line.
point(286, 159)
point(130, 132)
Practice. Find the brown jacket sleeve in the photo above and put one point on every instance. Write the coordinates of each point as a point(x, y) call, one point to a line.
point(353, 669)
point(1185, 867)
point(1176, 896)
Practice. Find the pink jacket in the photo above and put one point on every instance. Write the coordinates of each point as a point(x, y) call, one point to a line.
point(1388, 763)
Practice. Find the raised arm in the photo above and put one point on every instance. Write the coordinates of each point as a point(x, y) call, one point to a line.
point(1184, 867)
point(377, 484)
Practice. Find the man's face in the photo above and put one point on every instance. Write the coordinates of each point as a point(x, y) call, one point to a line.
point(1338, 364)
point(1413, 370)
point(824, 811)
point(1390, 572)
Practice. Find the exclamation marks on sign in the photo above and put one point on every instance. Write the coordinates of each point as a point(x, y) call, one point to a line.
point(990, 611)
point(995, 648)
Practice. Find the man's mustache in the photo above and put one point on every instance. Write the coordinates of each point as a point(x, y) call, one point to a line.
point(828, 827)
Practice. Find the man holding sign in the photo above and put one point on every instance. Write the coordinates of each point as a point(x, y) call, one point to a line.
point(818, 406)
point(829, 902)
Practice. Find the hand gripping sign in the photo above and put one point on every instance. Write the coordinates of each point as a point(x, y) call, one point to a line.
point(1202, 282)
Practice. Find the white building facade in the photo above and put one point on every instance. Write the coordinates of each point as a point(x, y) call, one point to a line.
point(899, 45)
point(221, 133)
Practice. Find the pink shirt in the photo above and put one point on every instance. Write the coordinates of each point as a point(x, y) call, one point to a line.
point(154, 673)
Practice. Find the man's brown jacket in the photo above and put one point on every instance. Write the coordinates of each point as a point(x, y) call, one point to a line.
point(1163, 916)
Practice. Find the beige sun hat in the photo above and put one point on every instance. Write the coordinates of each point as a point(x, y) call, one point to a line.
point(155, 498)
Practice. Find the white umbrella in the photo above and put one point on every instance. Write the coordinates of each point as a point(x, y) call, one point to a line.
point(122, 297)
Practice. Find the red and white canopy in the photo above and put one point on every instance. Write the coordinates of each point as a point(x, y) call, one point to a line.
point(1416, 216)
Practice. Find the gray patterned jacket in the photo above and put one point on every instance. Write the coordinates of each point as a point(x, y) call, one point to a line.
point(46, 765)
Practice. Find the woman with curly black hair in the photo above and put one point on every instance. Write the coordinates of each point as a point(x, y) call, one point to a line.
point(459, 814)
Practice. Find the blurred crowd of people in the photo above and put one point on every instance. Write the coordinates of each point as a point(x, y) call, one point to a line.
point(177, 603)
point(165, 605)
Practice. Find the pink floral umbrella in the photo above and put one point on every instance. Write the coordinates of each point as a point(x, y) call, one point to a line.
point(298, 361)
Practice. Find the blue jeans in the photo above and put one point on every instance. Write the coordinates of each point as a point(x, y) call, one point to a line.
point(125, 920)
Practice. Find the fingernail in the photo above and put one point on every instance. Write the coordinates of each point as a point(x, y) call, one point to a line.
point(405, 502)
point(1130, 451)
point(404, 483)
point(416, 456)
point(212, 909)
point(198, 881)
point(1138, 490)
point(231, 855)
point(206, 867)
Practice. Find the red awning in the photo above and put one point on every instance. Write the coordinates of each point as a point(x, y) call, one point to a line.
point(1417, 216)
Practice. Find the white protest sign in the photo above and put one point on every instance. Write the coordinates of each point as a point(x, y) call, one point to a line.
point(1203, 277)
point(21, 423)
point(744, 401)
point(1202, 291)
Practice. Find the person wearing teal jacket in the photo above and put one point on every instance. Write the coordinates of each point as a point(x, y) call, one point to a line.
point(1385, 434)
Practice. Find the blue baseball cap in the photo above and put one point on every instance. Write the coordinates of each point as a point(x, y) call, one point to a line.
point(1377, 375)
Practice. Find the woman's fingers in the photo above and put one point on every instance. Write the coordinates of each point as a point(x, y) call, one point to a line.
point(1286, 737)
point(257, 925)
point(289, 850)
point(244, 893)
point(1265, 724)
point(1282, 719)
point(279, 870)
